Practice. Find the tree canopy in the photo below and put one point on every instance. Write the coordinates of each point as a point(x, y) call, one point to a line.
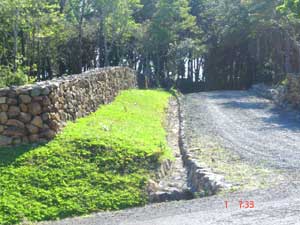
point(223, 44)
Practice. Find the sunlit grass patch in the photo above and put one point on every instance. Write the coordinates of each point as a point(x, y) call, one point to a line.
point(101, 162)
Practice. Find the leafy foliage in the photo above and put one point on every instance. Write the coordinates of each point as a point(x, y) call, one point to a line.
point(9, 77)
point(100, 162)
point(293, 6)
point(222, 43)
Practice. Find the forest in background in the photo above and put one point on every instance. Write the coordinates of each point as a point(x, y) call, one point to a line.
point(220, 44)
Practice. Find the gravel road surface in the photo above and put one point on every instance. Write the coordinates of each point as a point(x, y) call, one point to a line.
point(246, 124)
point(253, 128)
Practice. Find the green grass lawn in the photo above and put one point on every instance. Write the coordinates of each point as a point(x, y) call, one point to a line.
point(101, 162)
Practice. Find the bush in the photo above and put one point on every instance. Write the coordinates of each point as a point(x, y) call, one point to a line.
point(9, 77)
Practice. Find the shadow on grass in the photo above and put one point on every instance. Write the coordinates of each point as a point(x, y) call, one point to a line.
point(8, 155)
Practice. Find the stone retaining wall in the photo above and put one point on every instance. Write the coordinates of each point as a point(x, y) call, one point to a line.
point(34, 113)
point(201, 180)
point(292, 95)
point(286, 95)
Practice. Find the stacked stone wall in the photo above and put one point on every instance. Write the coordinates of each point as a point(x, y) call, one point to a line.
point(285, 95)
point(37, 112)
point(292, 94)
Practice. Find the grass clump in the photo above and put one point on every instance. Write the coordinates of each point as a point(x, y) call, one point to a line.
point(241, 175)
point(101, 162)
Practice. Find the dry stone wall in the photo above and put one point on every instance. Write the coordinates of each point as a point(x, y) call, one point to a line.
point(292, 94)
point(34, 113)
point(286, 95)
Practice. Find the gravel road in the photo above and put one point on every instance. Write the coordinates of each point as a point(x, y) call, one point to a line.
point(246, 124)
point(253, 128)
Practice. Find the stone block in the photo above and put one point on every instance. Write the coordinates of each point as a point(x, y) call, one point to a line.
point(38, 99)
point(24, 108)
point(32, 129)
point(15, 123)
point(4, 107)
point(48, 134)
point(36, 91)
point(4, 140)
point(13, 111)
point(37, 121)
point(34, 138)
point(4, 92)
point(45, 116)
point(14, 132)
point(2, 128)
point(2, 100)
point(12, 101)
point(54, 125)
point(25, 117)
point(35, 108)
point(25, 99)
point(46, 101)
point(3, 117)
point(45, 91)
point(17, 141)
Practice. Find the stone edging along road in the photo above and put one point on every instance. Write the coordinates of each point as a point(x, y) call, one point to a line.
point(185, 177)
point(200, 179)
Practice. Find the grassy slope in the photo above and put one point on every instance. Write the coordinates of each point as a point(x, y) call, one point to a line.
point(101, 162)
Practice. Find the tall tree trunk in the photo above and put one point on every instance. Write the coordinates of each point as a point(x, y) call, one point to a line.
point(106, 53)
point(287, 64)
point(81, 19)
point(23, 44)
point(16, 32)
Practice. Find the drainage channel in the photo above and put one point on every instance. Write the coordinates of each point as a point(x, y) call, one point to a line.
point(183, 178)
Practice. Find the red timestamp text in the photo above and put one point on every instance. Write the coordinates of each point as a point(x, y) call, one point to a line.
point(242, 204)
